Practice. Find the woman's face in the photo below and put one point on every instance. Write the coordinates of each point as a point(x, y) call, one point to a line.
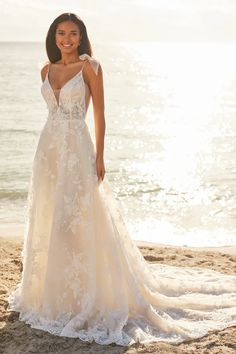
point(67, 36)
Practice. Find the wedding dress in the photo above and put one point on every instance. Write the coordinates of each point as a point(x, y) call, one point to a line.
point(83, 276)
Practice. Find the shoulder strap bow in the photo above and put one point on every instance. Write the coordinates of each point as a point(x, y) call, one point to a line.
point(94, 63)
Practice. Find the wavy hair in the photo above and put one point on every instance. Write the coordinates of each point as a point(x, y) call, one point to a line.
point(53, 52)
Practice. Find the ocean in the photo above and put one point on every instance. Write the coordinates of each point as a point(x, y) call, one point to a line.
point(170, 147)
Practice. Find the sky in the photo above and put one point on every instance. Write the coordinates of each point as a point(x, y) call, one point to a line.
point(124, 20)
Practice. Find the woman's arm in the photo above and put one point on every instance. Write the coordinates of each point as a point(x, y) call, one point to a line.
point(95, 83)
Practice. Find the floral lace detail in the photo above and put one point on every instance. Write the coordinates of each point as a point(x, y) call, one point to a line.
point(83, 276)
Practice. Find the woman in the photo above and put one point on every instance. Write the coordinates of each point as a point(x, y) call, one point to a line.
point(83, 276)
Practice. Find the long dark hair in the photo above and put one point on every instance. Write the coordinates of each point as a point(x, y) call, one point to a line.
point(53, 52)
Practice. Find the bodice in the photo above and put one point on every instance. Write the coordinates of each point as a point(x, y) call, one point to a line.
point(71, 101)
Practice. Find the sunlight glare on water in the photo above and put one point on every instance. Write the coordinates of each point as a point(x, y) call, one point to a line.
point(190, 85)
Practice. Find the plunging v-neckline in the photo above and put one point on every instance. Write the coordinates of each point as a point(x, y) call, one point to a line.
point(67, 82)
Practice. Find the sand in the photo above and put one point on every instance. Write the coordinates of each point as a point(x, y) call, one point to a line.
point(17, 337)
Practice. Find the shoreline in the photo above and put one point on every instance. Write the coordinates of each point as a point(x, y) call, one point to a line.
point(230, 250)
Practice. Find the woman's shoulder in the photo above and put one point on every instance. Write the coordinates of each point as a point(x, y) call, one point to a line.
point(44, 70)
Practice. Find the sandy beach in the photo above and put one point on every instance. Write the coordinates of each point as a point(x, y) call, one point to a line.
point(18, 337)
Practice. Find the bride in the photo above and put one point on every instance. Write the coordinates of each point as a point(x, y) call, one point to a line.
point(83, 276)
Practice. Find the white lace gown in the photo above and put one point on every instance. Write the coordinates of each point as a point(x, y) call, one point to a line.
point(83, 276)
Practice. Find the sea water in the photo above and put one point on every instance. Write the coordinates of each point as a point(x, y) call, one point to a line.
point(170, 147)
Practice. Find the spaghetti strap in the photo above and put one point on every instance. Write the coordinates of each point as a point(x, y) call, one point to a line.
point(83, 65)
point(48, 67)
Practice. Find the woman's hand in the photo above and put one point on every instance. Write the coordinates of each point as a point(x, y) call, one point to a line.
point(100, 168)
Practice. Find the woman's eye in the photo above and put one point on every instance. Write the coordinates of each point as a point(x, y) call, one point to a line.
point(62, 33)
